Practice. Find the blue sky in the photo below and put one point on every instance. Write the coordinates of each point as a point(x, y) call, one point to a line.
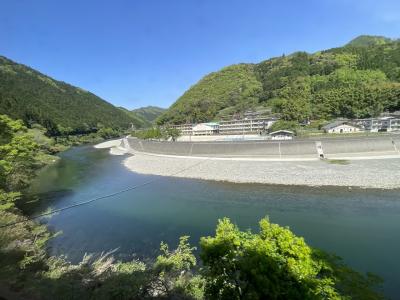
point(138, 53)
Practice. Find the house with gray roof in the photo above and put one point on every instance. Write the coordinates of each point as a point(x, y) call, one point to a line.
point(340, 126)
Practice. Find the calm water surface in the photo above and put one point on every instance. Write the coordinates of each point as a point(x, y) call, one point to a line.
point(362, 226)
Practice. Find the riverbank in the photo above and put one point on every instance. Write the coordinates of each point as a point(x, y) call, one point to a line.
point(372, 173)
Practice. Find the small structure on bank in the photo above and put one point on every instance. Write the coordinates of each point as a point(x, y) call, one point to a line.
point(282, 135)
point(340, 127)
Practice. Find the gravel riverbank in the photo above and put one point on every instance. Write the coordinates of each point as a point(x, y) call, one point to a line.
point(379, 173)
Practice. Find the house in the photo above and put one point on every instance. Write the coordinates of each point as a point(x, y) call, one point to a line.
point(282, 135)
point(340, 127)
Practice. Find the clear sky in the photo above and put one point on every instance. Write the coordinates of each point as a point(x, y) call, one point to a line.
point(137, 53)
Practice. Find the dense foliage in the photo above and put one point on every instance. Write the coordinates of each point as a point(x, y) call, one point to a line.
point(232, 86)
point(157, 133)
point(275, 264)
point(369, 40)
point(63, 109)
point(361, 79)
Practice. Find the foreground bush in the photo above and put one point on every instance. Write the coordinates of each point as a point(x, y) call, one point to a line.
point(275, 264)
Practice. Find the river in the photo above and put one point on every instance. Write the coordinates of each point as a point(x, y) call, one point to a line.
point(362, 226)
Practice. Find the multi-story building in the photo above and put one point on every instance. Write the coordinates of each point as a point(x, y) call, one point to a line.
point(239, 126)
point(245, 126)
point(378, 124)
point(395, 124)
point(206, 129)
point(185, 129)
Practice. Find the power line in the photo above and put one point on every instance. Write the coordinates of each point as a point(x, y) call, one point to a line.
point(100, 197)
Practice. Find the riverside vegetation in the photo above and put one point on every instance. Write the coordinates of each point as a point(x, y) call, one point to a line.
point(361, 79)
point(272, 263)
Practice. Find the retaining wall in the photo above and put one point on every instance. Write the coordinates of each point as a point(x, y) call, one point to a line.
point(306, 148)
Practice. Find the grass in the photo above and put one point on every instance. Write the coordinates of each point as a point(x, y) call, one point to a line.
point(338, 161)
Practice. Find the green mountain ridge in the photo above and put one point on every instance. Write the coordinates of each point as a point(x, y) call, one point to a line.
point(62, 108)
point(369, 40)
point(360, 79)
point(144, 116)
point(149, 113)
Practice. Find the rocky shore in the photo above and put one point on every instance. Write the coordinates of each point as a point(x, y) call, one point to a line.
point(371, 173)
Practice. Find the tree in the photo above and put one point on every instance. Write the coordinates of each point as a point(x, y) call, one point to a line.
point(173, 270)
point(271, 264)
point(284, 125)
point(18, 155)
point(296, 105)
point(172, 133)
point(107, 133)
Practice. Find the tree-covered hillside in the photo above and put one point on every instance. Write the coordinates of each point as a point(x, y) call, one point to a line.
point(361, 79)
point(149, 113)
point(369, 40)
point(144, 116)
point(36, 98)
point(233, 86)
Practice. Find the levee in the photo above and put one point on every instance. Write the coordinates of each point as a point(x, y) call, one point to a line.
point(298, 149)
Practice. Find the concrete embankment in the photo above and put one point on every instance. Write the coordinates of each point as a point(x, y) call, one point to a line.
point(346, 148)
point(117, 147)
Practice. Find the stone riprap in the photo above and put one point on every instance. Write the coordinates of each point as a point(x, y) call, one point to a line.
point(372, 173)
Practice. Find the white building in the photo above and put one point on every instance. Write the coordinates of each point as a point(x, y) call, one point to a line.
point(205, 129)
point(232, 127)
point(340, 127)
point(245, 126)
point(378, 124)
point(282, 135)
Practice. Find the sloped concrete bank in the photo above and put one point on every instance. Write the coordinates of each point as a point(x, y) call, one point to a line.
point(381, 146)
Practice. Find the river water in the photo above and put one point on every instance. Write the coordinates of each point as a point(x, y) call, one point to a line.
point(361, 226)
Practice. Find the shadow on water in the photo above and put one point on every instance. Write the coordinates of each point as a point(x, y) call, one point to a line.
point(31, 203)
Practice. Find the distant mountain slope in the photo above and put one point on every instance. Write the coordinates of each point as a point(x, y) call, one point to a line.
point(368, 40)
point(229, 87)
point(139, 121)
point(149, 113)
point(34, 97)
point(144, 116)
point(360, 79)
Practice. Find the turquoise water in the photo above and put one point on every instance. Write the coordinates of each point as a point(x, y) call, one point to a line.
point(362, 226)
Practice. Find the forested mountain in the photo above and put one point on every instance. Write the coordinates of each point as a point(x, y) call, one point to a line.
point(235, 86)
point(369, 40)
point(149, 113)
point(360, 79)
point(63, 109)
point(144, 116)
